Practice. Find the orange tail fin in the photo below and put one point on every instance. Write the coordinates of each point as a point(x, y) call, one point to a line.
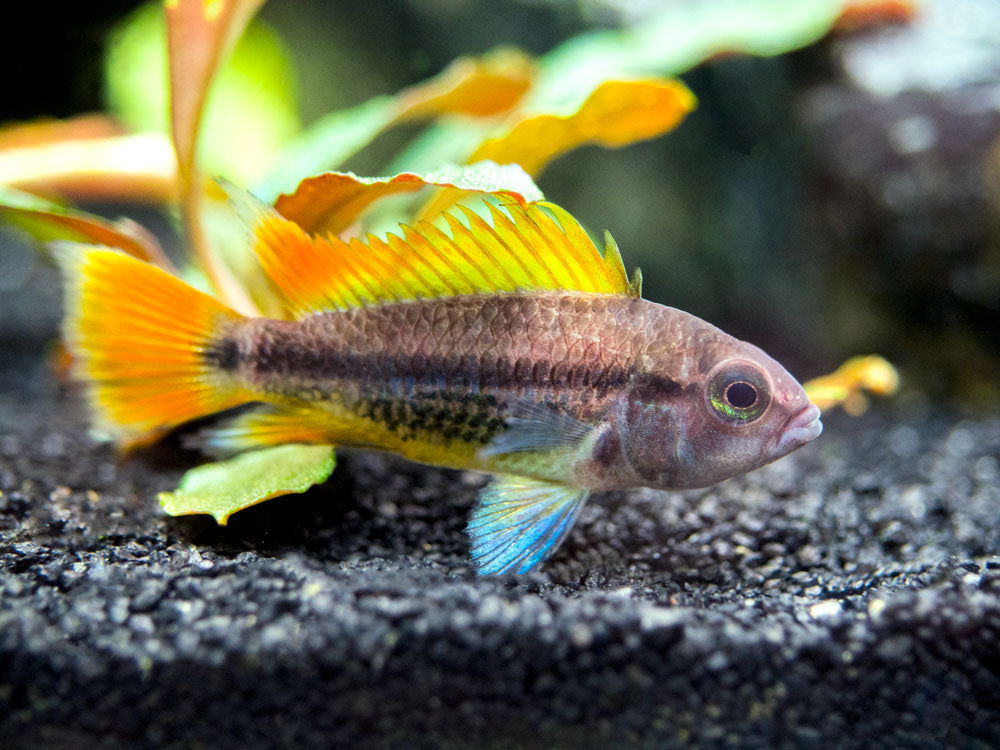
point(138, 337)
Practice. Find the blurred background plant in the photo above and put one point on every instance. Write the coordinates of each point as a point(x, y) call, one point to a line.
point(836, 199)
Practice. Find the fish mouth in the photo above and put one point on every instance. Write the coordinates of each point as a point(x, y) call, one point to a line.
point(801, 427)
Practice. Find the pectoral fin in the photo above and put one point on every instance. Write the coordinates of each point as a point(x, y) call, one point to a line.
point(532, 426)
point(518, 522)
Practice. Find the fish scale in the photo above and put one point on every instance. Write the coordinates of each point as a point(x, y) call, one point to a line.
point(437, 385)
point(516, 350)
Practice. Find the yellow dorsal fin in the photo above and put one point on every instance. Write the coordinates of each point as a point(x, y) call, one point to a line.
point(538, 246)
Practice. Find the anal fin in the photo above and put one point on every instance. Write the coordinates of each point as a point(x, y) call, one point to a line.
point(266, 426)
point(518, 522)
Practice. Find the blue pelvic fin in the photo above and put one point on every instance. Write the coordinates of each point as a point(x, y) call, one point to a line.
point(534, 426)
point(518, 522)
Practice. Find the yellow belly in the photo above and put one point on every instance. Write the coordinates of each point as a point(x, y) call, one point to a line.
point(331, 423)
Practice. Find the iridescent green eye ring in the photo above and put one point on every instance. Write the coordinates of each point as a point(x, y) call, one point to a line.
point(738, 392)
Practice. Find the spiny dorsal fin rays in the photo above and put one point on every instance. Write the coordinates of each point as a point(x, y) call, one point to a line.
point(614, 268)
point(502, 269)
point(521, 248)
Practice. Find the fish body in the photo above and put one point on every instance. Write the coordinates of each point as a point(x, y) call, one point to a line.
point(555, 377)
point(438, 381)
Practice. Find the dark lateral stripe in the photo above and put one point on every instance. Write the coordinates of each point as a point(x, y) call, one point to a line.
point(654, 388)
point(224, 354)
point(282, 359)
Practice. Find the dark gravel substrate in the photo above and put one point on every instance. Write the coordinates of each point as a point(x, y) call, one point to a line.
point(847, 596)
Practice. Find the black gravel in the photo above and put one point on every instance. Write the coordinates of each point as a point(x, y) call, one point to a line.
point(847, 596)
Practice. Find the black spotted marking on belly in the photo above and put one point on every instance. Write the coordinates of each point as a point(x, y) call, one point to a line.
point(449, 415)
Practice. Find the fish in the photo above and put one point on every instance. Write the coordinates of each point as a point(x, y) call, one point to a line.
point(499, 341)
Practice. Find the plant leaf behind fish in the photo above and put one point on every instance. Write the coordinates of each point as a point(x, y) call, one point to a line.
point(675, 39)
point(220, 489)
point(47, 221)
point(847, 385)
point(615, 114)
point(254, 109)
point(476, 87)
point(199, 36)
point(250, 109)
point(90, 157)
point(333, 201)
point(666, 43)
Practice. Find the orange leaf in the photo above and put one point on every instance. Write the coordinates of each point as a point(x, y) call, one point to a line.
point(51, 221)
point(331, 202)
point(82, 127)
point(200, 33)
point(615, 114)
point(846, 386)
point(116, 167)
point(859, 14)
point(479, 87)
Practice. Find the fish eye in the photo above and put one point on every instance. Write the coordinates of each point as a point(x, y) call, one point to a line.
point(738, 392)
point(741, 395)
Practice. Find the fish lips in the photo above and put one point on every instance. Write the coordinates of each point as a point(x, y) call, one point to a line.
point(801, 427)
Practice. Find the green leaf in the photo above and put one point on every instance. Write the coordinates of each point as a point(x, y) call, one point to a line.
point(668, 43)
point(252, 108)
point(135, 72)
point(476, 87)
point(443, 142)
point(220, 489)
point(326, 144)
point(675, 40)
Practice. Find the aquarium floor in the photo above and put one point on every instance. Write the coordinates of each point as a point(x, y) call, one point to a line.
point(847, 596)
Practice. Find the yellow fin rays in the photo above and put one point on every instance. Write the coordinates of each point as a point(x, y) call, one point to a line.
point(534, 247)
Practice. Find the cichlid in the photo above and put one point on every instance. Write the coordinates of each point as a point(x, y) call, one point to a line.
point(508, 346)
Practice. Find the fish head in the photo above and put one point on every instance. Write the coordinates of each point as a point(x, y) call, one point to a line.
point(739, 411)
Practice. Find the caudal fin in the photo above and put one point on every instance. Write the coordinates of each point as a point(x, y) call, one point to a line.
point(141, 341)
